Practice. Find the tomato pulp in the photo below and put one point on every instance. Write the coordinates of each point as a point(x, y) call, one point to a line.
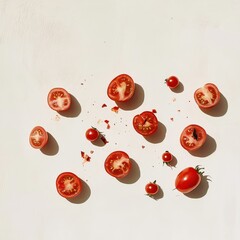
point(38, 137)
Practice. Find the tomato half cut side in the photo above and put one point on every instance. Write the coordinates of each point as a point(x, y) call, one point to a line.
point(193, 137)
point(207, 96)
point(38, 137)
point(68, 185)
point(59, 99)
point(121, 88)
point(118, 164)
point(145, 123)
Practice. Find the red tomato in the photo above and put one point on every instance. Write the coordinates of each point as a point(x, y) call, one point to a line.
point(145, 123)
point(118, 164)
point(59, 99)
point(188, 179)
point(207, 96)
point(92, 134)
point(193, 137)
point(167, 157)
point(38, 137)
point(121, 88)
point(172, 82)
point(68, 185)
point(151, 188)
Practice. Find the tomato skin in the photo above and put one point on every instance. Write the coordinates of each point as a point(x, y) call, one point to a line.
point(121, 88)
point(208, 96)
point(92, 134)
point(118, 164)
point(38, 137)
point(145, 123)
point(187, 180)
point(59, 99)
point(193, 137)
point(167, 157)
point(172, 82)
point(68, 185)
point(151, 188)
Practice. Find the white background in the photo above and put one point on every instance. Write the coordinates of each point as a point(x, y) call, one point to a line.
point(81, 46)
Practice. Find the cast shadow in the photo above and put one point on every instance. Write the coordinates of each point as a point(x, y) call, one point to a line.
point(207, 149)
point(51, 148)
point(178, 89)
point(173, 163)
point(219, 110)
point(201, 189)
point(101, 141)
point(83, 196)
point(74, 110)
point(133, 175)
point(159, 135)
point(134, 102)
point(158, 195)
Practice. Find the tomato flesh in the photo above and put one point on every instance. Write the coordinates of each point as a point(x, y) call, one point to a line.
point(187, 180)
point(193, 137)
point(59, 99)
point(145, 123)
point(38, 137)
point(118, 164)
point(68, 185)
point(208, 96)
point(121, 88)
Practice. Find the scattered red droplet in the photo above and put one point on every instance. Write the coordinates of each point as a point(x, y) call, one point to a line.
point(85, 157)
point(104, 105)
point(91, 151)
point(179, 110)
point(154, 111)
point(143, 146)
point(171, 119)
point(115, 109)
point(107, 122)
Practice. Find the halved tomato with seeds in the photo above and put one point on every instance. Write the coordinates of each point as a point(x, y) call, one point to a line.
point(118, 164)
point(193, 137)
point(59, 99)
point(145, 123)
point(207, 96)
point(68, 185)
point(38, 137)
point(121, 88)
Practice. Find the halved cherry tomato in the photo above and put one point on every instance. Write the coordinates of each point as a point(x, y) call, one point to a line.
point(193, 137)
point(167, 157)
point(145, 123)
point(172, 82)
point(121, 88)
point(188, 179)
point(118, 164)
point(151, 188)
point(68, 185)
point(92, 134)
point(59, 99)
point(38, 137)
point(208, 96)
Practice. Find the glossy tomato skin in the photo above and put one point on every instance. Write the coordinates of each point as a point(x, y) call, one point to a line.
point(92, 134)
point(38, 137)
point(68, 185)
point(208, 96)
point(167, 157)
point(172, 82)
point(118, 164)
point(193, 137)
point(145, 123)
point(59, 99)
point(151, 188)
point(121, 88)
point(187, 180)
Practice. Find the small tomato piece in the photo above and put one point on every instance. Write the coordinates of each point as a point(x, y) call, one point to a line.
point(38, 137)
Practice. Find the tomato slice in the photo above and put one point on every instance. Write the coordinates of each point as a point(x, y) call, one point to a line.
point(193, 137)
point(38, 137)
point(68, 185)
point(118, 164)
point(208, 96)
point(59, 99)
point(188, 179)
point(145, 123)
point(121, 88)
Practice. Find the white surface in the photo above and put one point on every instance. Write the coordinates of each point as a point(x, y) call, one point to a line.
point(46, 44)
